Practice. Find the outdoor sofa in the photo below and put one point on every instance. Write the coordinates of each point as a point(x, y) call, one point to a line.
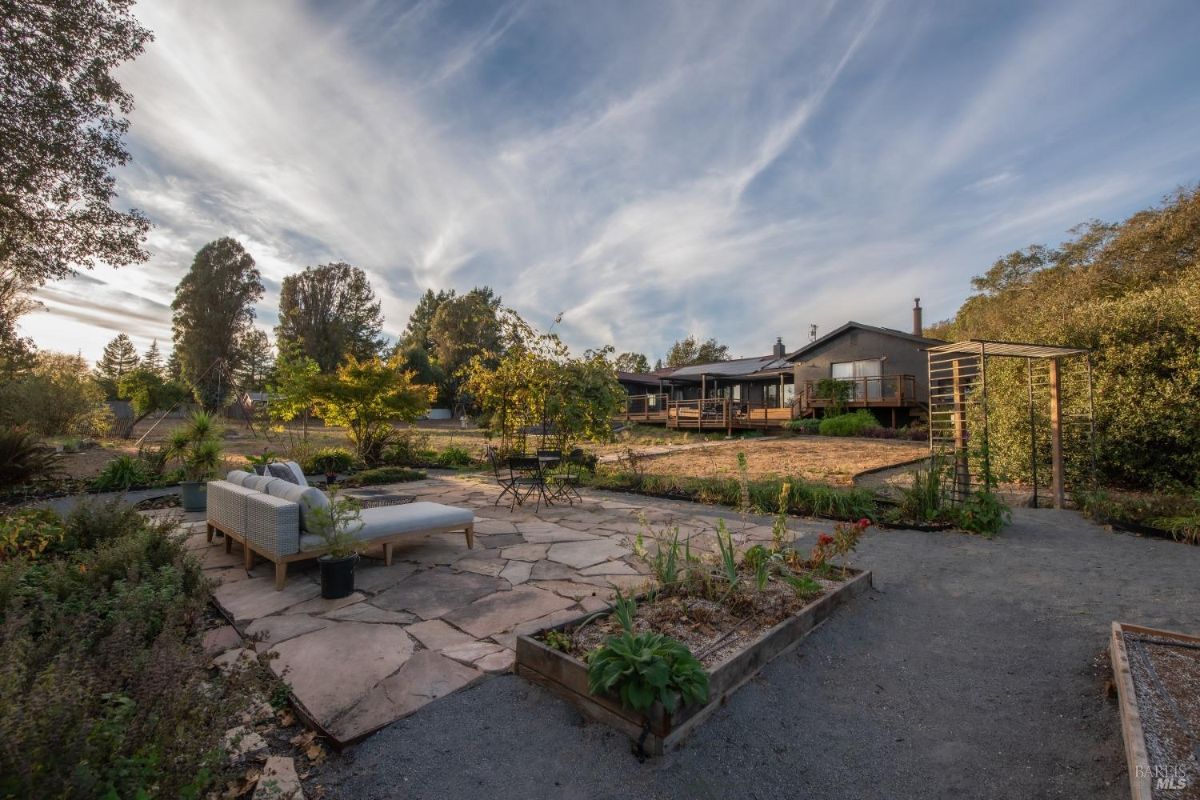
point(270, 517)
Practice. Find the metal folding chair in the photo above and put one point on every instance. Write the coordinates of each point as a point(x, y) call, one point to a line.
point(526, 474)
point(505, 482)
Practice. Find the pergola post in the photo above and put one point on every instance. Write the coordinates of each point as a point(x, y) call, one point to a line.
point(962, 463)
point(1056, 455)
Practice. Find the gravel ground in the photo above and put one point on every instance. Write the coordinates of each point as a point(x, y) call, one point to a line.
point(974, 669)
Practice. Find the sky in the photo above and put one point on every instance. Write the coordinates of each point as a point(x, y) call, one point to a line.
point(647, 168)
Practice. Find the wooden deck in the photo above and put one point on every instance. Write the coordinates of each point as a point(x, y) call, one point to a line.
point(701, 415)
point(886, 391)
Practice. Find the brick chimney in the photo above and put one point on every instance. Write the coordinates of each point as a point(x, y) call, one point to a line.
point(779, 351)
point(917, 327)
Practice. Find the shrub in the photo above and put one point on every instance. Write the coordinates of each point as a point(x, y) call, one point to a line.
point(327, 460)
point(104, 690)
point(56, 396)
point(380, 475)
point(454, 457)
point(23, 458)
point(197, 447)
point(124, 472)
point(407, 449)
point(29, 532)
point(923, 500)
point(810, 425)
point(848, 424)
point(984, 513)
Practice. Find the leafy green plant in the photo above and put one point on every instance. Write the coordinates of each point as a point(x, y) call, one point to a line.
point(728, 555)
point(645, 667)
point(924, 499)
point(383, 475)
point(197, 447)
point(338, 525)
point(557, 640)
point(23, 458)
point(454, 457)
point(837, 392)
point(809, 425)
point(855, 424)
point(29, 532)
point(983, 513)
point(259, 463)
point(124, 472)
point(805, 586)
point(329, 460)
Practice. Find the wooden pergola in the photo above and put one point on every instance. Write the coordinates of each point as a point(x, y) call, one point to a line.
point(958, 402)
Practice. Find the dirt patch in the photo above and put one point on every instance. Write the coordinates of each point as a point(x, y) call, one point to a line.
point(821, 459)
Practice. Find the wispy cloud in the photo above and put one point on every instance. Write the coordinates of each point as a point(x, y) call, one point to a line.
point(733, 170)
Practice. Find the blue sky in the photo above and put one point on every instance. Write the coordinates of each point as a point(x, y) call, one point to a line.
point(650, 169)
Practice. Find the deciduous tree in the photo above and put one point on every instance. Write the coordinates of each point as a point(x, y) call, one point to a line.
point(689, 350)
point(331, 312)
point(62, 121)
point(632, 362)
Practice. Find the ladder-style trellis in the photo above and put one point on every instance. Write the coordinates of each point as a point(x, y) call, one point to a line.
point(1060, 414)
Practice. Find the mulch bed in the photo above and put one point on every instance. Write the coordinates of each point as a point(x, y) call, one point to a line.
point(711, 629)
point(1166, 679)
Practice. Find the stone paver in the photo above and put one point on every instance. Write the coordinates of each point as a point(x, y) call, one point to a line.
point(442, 616)
point(585, 554)
point(505, 610)
point(331, 669)
point(218, 640)
point(251, 599)
point(279, 780)
point(437, 635)
point(432, 593)
point(424, 678)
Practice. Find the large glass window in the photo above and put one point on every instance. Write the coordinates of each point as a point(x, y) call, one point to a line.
point(866, 375)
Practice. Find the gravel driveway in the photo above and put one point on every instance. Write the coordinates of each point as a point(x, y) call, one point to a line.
point(974, 669)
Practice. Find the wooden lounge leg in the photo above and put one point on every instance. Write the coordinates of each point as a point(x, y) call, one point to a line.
point(280, 575)
point(387, 554)
point(247, 557)
point(470, 531)
point(228, 544)
point(208, 532)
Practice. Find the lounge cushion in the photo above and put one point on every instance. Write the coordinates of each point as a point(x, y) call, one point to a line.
point(282, 471)
point(238, 477)
point(388, 521)
point(260, 483)
point(307, 497)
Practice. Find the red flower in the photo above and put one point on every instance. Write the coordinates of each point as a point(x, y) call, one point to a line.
point(864, 523)
point(824, 539)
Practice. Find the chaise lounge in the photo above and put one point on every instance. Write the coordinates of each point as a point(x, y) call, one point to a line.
point(270, 516)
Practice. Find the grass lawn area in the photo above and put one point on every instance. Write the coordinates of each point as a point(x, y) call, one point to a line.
point(821, 459)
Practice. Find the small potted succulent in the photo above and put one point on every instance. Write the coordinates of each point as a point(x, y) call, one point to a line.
point(338, 525)
point(197, 448)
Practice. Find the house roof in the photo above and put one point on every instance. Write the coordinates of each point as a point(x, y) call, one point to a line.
point(836, 332)
point(650, 379)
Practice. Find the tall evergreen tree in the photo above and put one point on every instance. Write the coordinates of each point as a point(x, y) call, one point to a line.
point(213, 312)
point(688, 351)
point(632, 362)
point(152, 360)
point(257, 360)
point(416, 333)
point(331, 312)
point(119, 358)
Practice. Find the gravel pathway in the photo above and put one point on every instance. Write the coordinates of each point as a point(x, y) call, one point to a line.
point(974, 669)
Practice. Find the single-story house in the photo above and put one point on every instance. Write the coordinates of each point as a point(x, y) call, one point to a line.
point(885, 369)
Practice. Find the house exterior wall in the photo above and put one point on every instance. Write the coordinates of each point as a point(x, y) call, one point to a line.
point(900, 357)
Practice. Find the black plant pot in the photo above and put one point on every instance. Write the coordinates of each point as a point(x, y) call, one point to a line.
point(337, 576)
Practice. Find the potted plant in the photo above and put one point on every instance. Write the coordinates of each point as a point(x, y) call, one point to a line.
point(337, 525)
point(259, 463)
point(197, 448)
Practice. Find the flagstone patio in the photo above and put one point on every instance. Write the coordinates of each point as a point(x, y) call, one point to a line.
point(443, 617)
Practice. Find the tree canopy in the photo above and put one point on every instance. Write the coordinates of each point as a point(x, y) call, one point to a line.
point(689, 351)
point(118, 358)
point(331, 312)
point(213, 312)
point(632, 362)
point(1130, 292)
point(62, 123)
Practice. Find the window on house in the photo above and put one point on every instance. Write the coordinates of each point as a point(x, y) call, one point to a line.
point(865, 375)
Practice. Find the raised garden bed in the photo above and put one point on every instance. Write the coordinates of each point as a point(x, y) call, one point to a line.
point(1157, 674)
point(731, 655)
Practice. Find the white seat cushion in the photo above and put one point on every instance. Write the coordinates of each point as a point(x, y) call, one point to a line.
point(307, 497)
point(387, 521)
point(238, 477)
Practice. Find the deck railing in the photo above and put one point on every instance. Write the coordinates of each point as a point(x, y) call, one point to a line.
point(883, 390)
